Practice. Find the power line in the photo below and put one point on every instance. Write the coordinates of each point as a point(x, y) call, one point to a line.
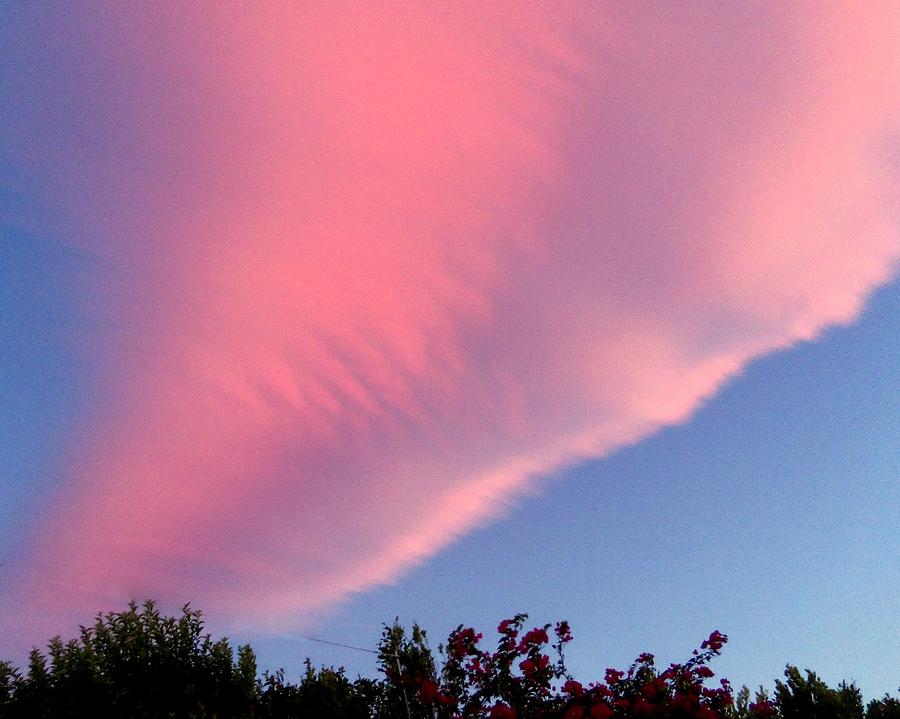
point(338, 644)
point(395, 656)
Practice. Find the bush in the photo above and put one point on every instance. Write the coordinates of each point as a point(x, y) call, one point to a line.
point(526, 678)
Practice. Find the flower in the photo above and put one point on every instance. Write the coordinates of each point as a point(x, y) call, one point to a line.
point(502, 711)
point(428, 691)
point(563, 632)
point(600, 710)
point(530, 667)
point(462, 641)
point(763, 709)
point(536, 636)
point(715, 642)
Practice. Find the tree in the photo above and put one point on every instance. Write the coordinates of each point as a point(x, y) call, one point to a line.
point(407, 665)
point(887, 707)
point(809, 697)
point(326, 692)
point(138, 664)
point(760, 706)
point(9, 680)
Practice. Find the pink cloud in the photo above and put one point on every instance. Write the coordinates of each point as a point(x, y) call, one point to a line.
point(378, 270)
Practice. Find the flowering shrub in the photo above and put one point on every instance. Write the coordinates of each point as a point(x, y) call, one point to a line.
point(142, 665)
point(519, 680)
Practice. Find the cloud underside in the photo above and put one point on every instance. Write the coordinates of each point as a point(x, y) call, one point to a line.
point(377, 271)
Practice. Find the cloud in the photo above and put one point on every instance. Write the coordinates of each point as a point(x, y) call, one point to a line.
point(376, 270)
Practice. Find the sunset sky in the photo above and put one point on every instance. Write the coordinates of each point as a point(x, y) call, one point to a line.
point(318, 314)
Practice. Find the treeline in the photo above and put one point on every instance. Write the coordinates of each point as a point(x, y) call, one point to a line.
point(140, 664)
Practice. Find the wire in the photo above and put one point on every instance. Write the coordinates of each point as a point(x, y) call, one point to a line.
point(395, 656)
point(338, 644)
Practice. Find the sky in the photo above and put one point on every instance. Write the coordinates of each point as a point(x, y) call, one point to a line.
point(319, 315)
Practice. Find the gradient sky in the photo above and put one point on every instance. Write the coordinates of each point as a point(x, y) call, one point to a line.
point(319, 315)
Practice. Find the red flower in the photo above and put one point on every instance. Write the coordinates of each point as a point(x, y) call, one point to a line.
point(463, 641)
point(763, 709)
point(601, 711)
point(502, 711)
point(573, 687)
point(613, 675)
point(704, 672)
point(641, 708)
point(529, 667)
point(428, 691)
point(715, 642)
point(563, 632)
point(535, 636)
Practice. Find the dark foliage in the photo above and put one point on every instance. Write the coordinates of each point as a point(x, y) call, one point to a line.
point(138, 664)
point(809, 697)
point(325, 692)
point(885, 708)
